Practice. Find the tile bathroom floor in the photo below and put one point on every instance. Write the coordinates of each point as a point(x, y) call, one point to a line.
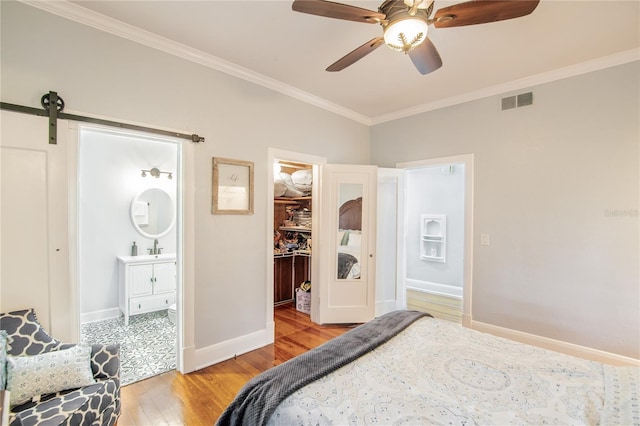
point(147, 345)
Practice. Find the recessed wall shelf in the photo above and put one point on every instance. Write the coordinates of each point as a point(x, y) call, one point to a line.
point(433, 242)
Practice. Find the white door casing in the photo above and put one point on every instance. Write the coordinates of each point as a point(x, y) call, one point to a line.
point(317, 164)
point(183, 270)
point(34, 223)
point(347, 298)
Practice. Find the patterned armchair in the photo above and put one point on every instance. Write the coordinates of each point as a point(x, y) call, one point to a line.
point(93, 404)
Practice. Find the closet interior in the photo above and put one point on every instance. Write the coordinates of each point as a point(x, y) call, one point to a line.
point(292, 239)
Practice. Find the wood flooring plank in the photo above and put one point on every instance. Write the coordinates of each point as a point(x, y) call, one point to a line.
point(198, 398)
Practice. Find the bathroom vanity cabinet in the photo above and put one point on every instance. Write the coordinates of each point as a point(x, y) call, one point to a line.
point(147, 283)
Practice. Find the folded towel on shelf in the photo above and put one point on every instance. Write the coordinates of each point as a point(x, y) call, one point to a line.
point(290, 190)
point(303, 180)
point(279, 188)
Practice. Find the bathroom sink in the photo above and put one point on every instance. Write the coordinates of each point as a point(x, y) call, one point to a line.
point(147, 257)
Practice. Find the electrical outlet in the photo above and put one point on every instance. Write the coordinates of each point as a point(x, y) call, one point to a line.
point(484, 239)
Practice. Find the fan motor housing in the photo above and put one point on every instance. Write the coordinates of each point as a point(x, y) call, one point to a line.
point(395, 10)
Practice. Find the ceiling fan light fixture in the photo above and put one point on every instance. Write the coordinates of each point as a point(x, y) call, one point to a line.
point(405, 34)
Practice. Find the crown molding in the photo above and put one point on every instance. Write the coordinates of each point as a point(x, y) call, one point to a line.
point(620, 58)
point(104, 23)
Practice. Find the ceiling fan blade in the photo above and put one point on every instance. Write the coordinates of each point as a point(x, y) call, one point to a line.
point(482, 11)
point(356, 54)
point(425, 57)
point(337, 10)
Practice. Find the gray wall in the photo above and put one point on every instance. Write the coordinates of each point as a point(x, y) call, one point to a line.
point(556, 183)
point(557, 188)
point(101, 74)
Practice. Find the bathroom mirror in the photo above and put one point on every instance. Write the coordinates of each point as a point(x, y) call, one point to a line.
point(153, 213)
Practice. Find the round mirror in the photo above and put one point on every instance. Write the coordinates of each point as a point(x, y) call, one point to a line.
point(153, 213)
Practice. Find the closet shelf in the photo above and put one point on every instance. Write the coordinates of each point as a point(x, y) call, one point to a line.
point(433, 257)
point(295, 228)
point(286, 200)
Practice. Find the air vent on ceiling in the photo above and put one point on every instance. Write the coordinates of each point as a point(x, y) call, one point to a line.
point(517, 101)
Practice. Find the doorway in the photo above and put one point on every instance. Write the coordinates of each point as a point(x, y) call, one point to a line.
point(310, 162)
point(292, 233)
point(438, 236)
point(128, 247)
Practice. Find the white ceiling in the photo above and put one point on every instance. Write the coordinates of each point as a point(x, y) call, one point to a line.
point(267, 42)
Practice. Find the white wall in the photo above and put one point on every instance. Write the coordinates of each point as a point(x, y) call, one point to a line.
point(101, 74)
point(109, 179)
point(429, 191)
point(557, 189)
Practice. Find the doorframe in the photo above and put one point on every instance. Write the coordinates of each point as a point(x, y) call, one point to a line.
point(185, 235)
point(317, 162)
point(468, 161)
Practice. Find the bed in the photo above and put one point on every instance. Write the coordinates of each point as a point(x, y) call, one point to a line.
point(407, 368)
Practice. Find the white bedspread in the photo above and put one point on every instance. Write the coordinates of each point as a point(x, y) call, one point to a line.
point(437, 372)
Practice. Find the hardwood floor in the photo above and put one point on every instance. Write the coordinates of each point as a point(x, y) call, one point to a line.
point(440, 306)
point(199, 398)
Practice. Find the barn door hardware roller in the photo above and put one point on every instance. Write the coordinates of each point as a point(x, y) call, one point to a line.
point(52, 98)
point(46, 101)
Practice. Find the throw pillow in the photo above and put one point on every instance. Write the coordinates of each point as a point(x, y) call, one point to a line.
point(50, 372)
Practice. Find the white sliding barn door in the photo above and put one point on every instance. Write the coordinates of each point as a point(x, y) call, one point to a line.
point(347, 244)
point(34, 222)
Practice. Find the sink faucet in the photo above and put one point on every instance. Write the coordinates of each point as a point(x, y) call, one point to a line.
point(155, 249)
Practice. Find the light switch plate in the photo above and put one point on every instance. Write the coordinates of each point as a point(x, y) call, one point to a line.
point(484, 239)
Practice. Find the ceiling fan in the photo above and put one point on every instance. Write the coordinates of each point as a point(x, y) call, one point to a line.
point(405, 22)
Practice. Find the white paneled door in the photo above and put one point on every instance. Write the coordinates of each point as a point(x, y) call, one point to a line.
point(34, 236)
point(347, 244)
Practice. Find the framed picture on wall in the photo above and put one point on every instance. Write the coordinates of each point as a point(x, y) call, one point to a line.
point(232, 186)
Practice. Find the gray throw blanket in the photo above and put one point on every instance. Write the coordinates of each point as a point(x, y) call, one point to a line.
point(258, 399)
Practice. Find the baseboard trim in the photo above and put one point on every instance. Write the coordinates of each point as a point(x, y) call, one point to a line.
point(555, 345)
point(101, 315)
point(433, 288)
point(270, 332)
point(466, 320)
point(223, 351)
point(188, 360)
